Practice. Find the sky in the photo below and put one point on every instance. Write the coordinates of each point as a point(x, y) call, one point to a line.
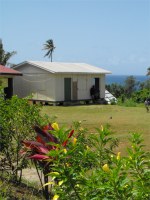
point(111, 34)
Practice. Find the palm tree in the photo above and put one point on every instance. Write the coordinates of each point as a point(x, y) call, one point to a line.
point(49, 46)
point(148, 71)
point(5, 56)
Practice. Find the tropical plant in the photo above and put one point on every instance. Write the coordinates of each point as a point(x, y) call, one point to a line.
point(5, 56)
point(49, 46)
point(42, 150)
point(16, 120)
point(92, 169)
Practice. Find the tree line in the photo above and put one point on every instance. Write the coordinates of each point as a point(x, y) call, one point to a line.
point(131, 88)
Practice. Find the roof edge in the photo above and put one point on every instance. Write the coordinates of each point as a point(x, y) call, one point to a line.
point(31, 63)
point(36, 65)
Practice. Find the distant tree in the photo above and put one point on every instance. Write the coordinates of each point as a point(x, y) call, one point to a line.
point(5, 56)
point(116, 89)
point(130, 85)
point(141, 95)
point(49, 46)
point(148, 71)
point(145, 85)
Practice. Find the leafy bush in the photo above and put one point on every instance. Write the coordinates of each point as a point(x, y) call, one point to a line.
point(127, 102)
point(141, 95)
point(17, 118)
point(89, 168)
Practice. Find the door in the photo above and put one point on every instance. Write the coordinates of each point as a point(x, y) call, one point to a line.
point(97, 91)
point(75, 90)
point(67, 89)
point(97, 83)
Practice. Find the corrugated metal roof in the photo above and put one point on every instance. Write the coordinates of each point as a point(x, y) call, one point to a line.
point(60, 67)
point(7, 71)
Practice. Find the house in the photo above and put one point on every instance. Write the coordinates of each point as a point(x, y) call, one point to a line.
point(58, 82)
point(6, 79)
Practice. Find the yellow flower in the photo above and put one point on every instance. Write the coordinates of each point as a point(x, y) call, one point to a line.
point(118, 155)
point(55, 126)
point(60, 183)
point(67, 164)
point(87, 147)
point(126, 186)
point(54, 173)
point(74, 141)
point(55, 197)
point(65, 151)
point(106, 168)
point(102, 128)
point(49, 183)
point(81, 129)
point(77, 185)
point(130, 157)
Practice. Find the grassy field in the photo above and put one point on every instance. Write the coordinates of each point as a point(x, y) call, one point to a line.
point(122, 120)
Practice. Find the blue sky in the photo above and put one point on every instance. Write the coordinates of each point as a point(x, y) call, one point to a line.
point(112, 34)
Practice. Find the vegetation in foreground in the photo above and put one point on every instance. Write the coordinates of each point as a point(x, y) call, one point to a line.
point(88, 168)
point(81, 164)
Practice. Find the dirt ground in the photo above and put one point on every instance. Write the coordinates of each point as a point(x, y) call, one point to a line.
point(30, 174)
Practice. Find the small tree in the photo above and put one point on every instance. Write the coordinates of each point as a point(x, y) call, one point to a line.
point(130, 85)
point(17, 118)
point(90, 168)
point(47, 141)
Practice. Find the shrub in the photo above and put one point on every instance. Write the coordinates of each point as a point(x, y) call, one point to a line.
point(17, 118)
point(127, 102)
point(89, 169)
point(141, 95)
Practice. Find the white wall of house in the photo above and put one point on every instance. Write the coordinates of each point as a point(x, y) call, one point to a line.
point(84, 83)
point(36, 82)
point(102, 86)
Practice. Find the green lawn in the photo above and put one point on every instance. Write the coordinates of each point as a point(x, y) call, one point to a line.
point(122, 120)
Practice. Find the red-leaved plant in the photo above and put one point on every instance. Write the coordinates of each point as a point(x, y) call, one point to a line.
point(39, 149)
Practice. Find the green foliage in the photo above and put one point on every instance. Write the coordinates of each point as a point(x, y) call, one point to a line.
point(139, 165)
point(141, 95)
point(130, 85)
point(16, 120)
point(5, 56)
point(85, 166)
point(145, 85)
point(127, 102)
point(3, 191)
point(89, 168)
point(130, 89)
point(116, 89)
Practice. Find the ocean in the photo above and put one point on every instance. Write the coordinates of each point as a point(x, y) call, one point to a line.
point(120, 79)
